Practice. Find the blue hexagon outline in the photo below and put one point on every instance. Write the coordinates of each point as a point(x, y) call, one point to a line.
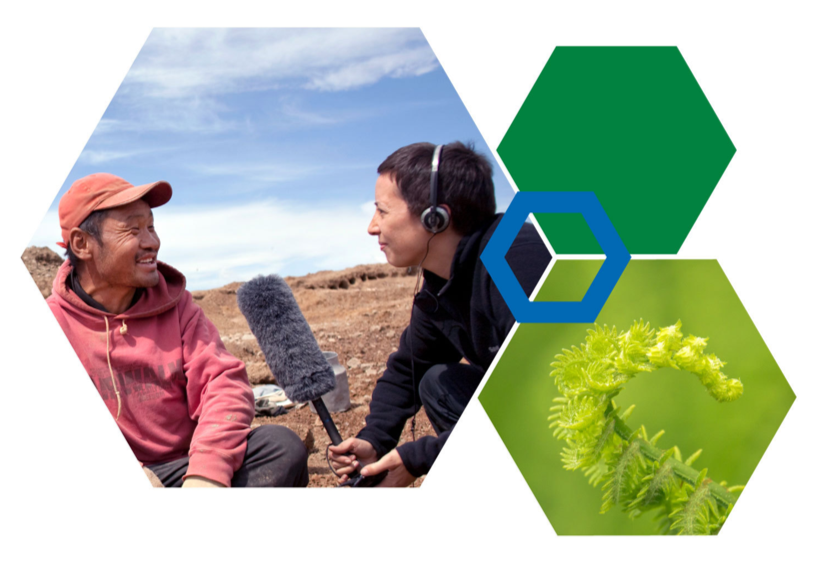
point(584, 203)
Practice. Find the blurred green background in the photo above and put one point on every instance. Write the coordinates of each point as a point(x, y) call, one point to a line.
point(733, 436)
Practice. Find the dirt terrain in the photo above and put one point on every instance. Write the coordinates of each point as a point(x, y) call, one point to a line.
point(358, 313)
point(42, 264)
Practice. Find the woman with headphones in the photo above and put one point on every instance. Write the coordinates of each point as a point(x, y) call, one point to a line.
point(435, 210)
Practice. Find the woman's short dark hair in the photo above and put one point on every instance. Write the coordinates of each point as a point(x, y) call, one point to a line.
point(464, 182)
point(92, 225)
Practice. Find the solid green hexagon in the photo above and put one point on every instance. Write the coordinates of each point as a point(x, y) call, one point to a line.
point(630, 124)
point(519, 393)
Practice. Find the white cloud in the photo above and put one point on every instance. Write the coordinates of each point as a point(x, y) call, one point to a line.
point(296, 115)
point(196, 114)
point(266, 172)
point(180, 80)
point(97, 157)
point(272, 171)
point(216, 245)
point(177, 63)
point(108, 125)
point(368, 71)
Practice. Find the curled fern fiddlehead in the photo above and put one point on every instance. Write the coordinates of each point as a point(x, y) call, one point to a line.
point(636, 474)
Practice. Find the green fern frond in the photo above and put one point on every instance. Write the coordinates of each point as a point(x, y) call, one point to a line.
point(573, 457)
point(634, 345)
point(622, 481)
point(604, 441)
point(581, 412)
point(636, 474)
point(568, 370)
point(656, 437)
point(601, 341)
point(597, 472)
point(692, 515)
point(668, 341)
point(693, 457)
point(656, 486)
point(689, 355)
point(598, 376)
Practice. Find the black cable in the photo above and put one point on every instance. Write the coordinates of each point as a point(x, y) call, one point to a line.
point(327, 457)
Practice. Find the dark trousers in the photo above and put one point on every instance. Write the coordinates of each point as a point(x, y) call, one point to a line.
point(445, 390)
point(275, 457)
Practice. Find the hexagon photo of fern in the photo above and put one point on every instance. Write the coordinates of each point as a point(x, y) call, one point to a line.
point(653, 419)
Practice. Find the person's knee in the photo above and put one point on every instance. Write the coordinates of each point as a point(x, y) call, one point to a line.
point(290, 443)
point(288, 453)
point(429, 388)
point(295, 447)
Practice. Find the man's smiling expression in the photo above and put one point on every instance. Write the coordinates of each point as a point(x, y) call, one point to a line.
point(127, 257)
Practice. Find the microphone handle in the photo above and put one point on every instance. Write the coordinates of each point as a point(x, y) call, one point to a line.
point(355, 479)
point(328, 422)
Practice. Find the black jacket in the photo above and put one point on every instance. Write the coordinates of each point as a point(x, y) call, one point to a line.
point(465, 317)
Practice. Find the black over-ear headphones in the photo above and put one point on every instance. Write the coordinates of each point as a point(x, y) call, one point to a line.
point(435, 219)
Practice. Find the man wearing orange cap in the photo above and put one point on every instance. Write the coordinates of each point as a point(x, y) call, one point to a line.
point(182, 401)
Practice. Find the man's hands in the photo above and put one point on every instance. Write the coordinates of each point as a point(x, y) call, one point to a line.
point(351, 454)
point(196, 481)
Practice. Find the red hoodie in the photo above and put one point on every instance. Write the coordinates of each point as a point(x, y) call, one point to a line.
point(181, 392)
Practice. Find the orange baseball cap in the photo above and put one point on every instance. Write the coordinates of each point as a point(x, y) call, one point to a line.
point(103, 191)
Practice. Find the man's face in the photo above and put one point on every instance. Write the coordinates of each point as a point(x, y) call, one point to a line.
point(127, 256)
point(401, 235)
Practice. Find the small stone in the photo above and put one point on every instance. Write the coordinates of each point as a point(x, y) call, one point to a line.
point(248, 337)
point(375, 328)
point(307, 437)
point(390, 333)
point(353, 363)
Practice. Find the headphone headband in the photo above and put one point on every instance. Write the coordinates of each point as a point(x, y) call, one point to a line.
point(433, 176)
point(435, 219)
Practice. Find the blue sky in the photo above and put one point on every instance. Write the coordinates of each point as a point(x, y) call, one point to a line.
point(270, 139)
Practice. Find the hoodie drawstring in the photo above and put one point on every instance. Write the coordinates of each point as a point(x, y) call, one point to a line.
point(108, 355)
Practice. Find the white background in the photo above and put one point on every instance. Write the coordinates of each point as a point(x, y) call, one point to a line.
point(73, 495)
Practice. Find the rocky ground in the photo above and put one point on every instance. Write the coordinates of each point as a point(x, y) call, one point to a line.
point(42, 264)
point(359, 313)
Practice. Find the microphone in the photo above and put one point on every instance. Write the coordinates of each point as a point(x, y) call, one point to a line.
point(292, 353)
point(288, 345)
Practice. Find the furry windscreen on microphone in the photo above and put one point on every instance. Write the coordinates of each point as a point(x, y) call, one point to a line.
point(289, 347)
